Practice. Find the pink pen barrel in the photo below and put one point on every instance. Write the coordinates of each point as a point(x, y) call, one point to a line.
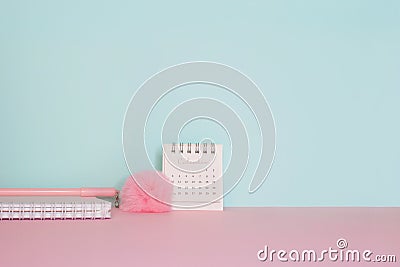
point(84, 192)
point(98, 192)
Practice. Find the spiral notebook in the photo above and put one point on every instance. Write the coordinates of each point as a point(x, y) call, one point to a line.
point(195, 170)
point(43, 207)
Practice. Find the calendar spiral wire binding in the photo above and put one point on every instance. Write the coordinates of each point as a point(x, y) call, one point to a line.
point(196, 148)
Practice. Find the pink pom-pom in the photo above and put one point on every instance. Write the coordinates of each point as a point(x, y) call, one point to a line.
point(135, 199)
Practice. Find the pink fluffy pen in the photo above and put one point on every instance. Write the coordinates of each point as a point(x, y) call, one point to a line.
point(82, 192)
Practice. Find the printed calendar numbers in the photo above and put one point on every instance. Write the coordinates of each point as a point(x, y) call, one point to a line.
point(196, 172)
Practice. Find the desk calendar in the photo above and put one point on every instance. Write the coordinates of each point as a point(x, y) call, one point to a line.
point(195, 170)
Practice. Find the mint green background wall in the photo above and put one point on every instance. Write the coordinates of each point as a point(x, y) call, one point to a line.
point(329, 69)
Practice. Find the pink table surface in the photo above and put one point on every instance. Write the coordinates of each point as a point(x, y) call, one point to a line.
point(184, 238)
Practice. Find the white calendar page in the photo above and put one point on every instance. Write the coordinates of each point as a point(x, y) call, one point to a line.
point(196, 172)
